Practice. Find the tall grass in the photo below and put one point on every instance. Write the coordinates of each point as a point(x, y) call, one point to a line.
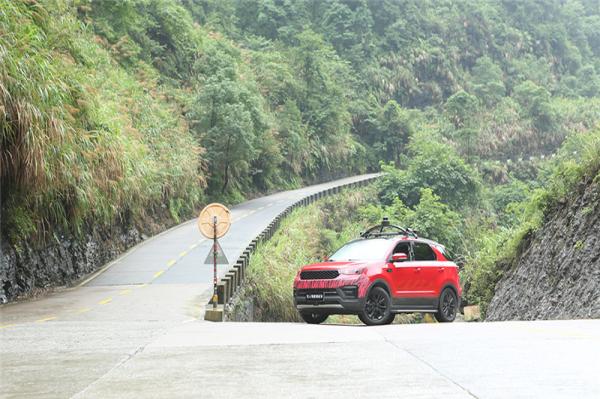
point(306, 236)
point(82, 139)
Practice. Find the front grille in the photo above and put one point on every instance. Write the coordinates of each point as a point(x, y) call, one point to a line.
point(319, 274)
point(325, 292)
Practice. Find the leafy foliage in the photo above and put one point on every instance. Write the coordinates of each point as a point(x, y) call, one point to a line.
point(436, 166)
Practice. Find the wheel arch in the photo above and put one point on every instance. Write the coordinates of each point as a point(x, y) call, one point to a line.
point(380, 283)
point(451, 286)
point(454, 289)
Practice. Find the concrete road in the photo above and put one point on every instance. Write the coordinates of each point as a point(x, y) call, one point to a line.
point(195, 359)
point(135, 330)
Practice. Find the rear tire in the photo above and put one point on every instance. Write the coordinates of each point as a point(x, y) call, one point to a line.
point(447, 306)
point(377, 309)
point(314, 318)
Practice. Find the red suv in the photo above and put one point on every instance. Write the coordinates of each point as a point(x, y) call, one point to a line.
point(388, 270)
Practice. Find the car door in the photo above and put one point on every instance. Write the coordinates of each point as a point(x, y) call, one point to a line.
point(403, 280)
point(426, 269)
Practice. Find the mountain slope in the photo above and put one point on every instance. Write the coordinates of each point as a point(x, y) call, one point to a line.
point(557, 274)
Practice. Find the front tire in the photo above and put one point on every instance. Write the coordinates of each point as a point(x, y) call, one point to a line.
point(313, 318)
point(447, 306)
point(377, 309)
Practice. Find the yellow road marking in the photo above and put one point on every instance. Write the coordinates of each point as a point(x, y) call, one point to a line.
point(245, 215)
point(46, 319)
point(105, 301)
point(171, 262)
point(158, 273)
point(182, 254)
point(83, 310)
point(7, 326)
point(125, 292)
point(141, 286)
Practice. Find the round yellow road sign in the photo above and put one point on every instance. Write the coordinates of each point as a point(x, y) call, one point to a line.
point(211, 214)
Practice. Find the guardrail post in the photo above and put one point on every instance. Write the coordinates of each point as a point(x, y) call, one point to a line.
point(238, 272)
point(236, 277)
point(225, 280)
point(231, 285)
point(240, 266)
point(221, 289)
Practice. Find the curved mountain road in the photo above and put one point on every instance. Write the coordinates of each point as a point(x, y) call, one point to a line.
point(135, 330)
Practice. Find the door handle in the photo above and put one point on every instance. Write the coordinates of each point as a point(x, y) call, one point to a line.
point(441, 269)
point(389, 270)
point(418, 269)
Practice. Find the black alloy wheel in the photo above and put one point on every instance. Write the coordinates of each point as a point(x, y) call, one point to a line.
point(448, 306)
point(313, 318)
point(377, 308)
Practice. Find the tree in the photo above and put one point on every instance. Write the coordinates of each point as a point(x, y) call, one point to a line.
point(322, 98)
point(434, 165)
point(227, 133)
point(535, 101)
point(588, 81)
point(488, 84)
point(231, 125)
point(395, 127)
point(430, 217)
point(461, 109)
point(348, 26)
point(435, 220)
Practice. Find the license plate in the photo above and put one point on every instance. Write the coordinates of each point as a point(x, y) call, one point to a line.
point(314, 297)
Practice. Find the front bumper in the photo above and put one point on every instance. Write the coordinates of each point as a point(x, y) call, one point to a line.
point(340, 300)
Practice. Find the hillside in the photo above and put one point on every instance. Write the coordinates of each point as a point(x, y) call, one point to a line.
point(122, 118)
point(556, 271)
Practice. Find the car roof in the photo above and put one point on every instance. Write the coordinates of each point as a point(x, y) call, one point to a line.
point(399, 237)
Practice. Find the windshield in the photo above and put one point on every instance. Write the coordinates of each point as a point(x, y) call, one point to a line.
point(375, 249)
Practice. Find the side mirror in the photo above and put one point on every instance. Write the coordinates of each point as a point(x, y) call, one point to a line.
point(399, 257)
point(326, 259)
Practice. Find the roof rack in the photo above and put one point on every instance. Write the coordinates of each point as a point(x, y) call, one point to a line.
point(378, 231)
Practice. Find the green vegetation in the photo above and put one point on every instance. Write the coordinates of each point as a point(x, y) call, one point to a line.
point(307, 235)
point(496, 248)
point(82, 140)
point(115, 111)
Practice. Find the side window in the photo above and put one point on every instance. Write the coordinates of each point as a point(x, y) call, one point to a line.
point(447, 254)
point(423, 251)
point(402, 247)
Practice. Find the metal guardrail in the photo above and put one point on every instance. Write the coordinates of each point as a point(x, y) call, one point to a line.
point(228, 285)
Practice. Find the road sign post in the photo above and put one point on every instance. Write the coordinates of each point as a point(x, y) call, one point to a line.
point(215, 298)
point(214, 222)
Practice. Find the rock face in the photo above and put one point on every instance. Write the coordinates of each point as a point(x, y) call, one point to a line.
point(27, 268)
point(557, 275)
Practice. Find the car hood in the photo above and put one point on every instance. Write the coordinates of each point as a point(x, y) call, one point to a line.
point(336, 265)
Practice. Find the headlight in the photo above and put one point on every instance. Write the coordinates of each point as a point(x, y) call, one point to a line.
point(351, 270)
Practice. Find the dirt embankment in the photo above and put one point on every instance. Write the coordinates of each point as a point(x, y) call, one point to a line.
point(557, 275)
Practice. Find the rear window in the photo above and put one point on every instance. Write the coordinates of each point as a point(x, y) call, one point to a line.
point(423, 251)
point(373, 249)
